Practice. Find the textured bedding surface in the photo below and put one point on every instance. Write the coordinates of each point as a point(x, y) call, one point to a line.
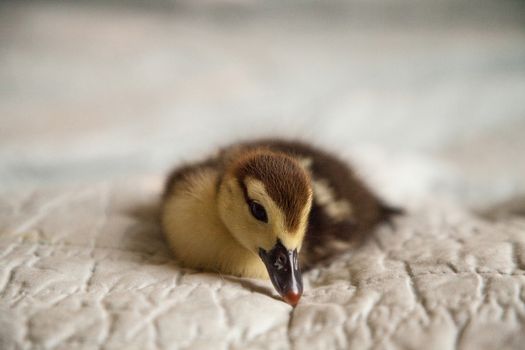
point(87, 266)
point(427, 101)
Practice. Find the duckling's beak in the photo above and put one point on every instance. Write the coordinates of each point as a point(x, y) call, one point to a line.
point(284, 272)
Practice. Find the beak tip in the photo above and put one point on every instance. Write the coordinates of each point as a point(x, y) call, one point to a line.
point(292, 298)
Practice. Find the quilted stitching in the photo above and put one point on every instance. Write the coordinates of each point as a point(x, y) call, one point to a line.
point(80, 267)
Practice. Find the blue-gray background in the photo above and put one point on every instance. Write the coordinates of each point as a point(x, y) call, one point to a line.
point(96, 90)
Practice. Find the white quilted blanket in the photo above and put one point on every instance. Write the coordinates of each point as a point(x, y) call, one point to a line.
point(97, 103)
point(87, 266)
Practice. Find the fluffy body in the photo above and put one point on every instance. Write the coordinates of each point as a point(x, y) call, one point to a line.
point(316, 204)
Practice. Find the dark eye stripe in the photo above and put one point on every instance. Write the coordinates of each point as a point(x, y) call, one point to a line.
point(258, 211)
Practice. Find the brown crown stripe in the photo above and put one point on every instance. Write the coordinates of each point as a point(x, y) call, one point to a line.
point(285, 180)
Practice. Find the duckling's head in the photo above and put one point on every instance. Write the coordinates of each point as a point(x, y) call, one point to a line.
point(264, 199)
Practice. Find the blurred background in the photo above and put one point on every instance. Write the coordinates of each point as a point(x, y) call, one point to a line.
point(101, 90)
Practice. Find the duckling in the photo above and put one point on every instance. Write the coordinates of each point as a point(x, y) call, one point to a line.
point(262, 209)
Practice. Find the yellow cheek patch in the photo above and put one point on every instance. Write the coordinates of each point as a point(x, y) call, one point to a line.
point(277, 228)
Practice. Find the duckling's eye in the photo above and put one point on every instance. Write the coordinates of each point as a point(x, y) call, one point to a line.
point(258, 211)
